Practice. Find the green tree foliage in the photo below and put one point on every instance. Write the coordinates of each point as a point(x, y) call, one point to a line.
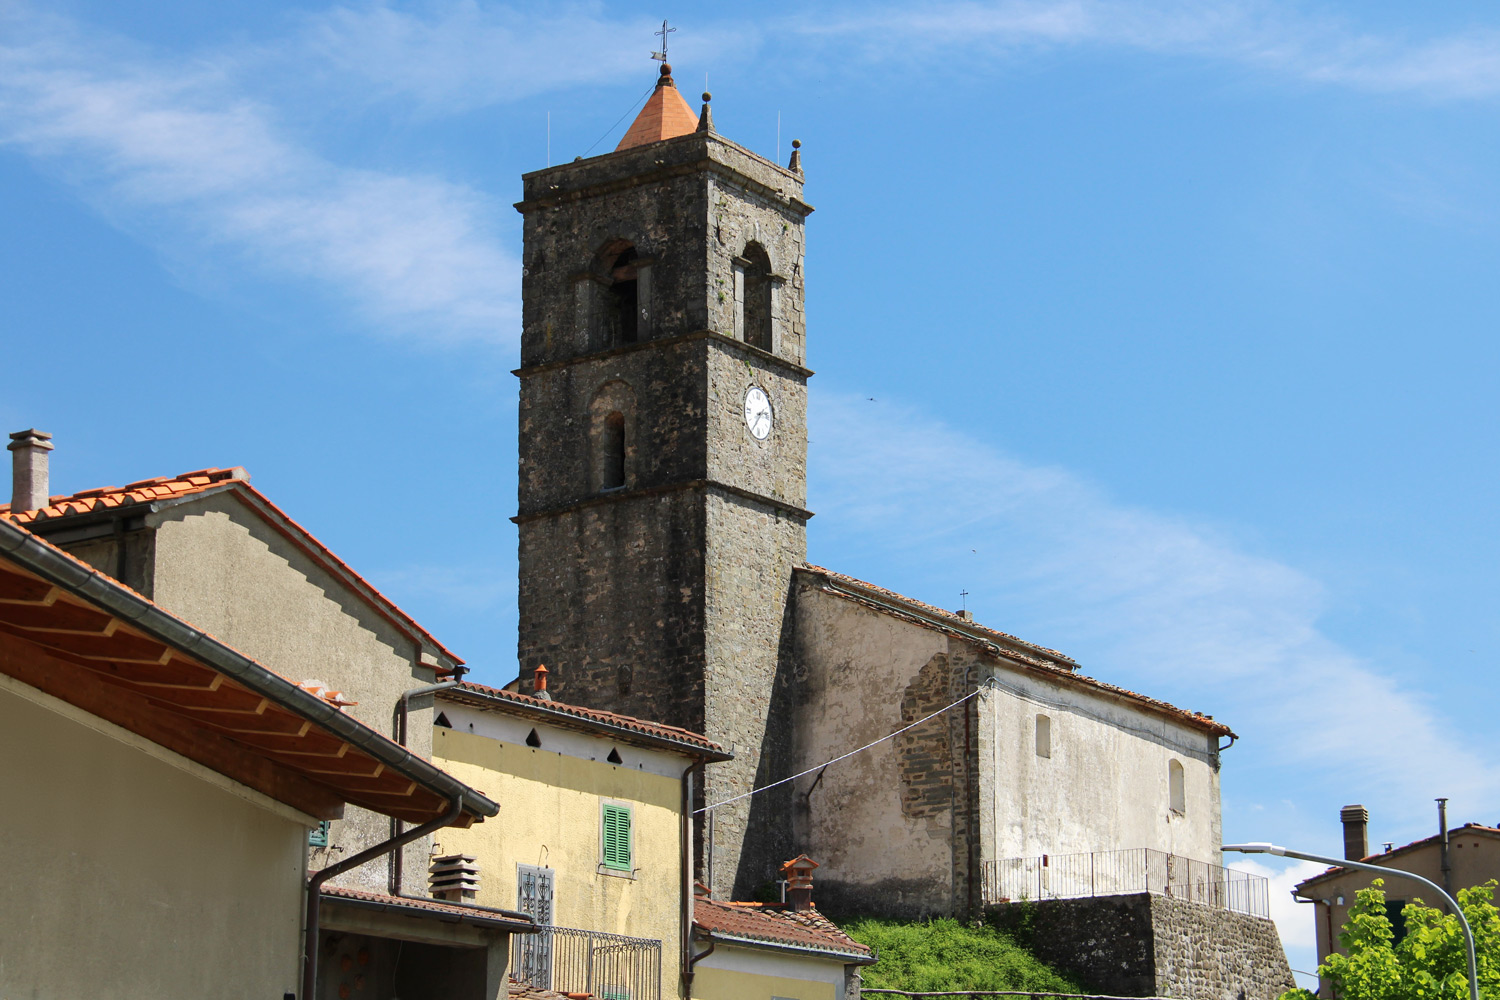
point(935, 955)
point(1429, 963)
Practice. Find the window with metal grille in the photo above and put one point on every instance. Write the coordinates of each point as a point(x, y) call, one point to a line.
point(318, 835)
point(615, 837)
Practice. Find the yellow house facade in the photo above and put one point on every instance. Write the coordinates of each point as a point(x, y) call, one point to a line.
point(761, 951)
point(593, 839)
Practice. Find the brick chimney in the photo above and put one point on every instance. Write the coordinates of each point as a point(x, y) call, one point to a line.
point(28, 469)
point(798, 875)
point(1356, 820)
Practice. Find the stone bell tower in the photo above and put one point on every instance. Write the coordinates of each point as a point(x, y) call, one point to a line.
point(663, 450)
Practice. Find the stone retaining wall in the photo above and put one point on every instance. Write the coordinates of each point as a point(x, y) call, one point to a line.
point(1143, 945)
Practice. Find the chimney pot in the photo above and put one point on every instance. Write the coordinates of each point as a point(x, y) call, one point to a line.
point(1356, 820)
point(29, 472)
point(798, 875)
point(539, 682)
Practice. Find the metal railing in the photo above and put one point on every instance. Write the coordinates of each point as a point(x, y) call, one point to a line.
point(1116, 873)
point(568, 960)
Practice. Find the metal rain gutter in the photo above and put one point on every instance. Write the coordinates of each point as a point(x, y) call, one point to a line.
point(57, 567)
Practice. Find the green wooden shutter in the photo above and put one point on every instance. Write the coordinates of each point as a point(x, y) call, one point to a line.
point(617, 838)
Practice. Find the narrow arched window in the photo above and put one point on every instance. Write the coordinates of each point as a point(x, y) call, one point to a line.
point(622, 302)
point(1176, 789)
point(1043, 736)
point(754, 297)
point(612, 452)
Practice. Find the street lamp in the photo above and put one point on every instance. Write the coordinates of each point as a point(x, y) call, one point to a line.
point(1287, 852)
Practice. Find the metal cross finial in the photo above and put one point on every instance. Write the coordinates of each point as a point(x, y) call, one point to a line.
point(964, 595)
point(664, 32)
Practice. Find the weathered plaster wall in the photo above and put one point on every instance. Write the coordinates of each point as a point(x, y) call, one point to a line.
point(550, 817)
point(856, 676)
point(1105, 785)
point(905, 828)
point(226, 571)
point(1149, 945)
point(134, 873)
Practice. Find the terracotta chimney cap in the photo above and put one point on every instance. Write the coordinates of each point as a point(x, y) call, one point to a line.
point(539, 682)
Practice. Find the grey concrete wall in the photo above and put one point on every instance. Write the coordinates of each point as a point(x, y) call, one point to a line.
point(131, 872)
point(1147, 945)
point(225, 570)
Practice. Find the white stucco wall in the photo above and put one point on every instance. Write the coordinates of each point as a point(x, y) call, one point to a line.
point(1105, 785)
point(131, 872)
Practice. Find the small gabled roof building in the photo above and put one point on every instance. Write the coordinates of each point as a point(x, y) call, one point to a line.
point(209, 547)
point(151, 773)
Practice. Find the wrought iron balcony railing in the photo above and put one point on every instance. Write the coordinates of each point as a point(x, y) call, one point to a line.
point(1116, 873)
point(568, 960)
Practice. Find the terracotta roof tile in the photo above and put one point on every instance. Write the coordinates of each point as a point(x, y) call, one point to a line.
point(531, 704)
point(666, 115)
point(1377, 859)
point(1065, 671)
point(199, 481)
point(437, 907)
point(776, 924)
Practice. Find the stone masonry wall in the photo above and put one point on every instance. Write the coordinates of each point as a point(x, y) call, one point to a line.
point(1203, 952)
point(1147, 945)
point(666, 597)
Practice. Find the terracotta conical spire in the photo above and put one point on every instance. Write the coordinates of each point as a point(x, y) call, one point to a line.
point(665, 116)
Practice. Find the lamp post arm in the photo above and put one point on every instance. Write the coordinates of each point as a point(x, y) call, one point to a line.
point(1397, 873)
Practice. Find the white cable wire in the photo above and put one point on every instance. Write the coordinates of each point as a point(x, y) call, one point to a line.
point(851, 753)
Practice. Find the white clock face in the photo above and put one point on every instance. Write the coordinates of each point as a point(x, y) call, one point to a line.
point(758, 413)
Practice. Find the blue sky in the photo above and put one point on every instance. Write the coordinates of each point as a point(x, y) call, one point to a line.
point(1166, 330)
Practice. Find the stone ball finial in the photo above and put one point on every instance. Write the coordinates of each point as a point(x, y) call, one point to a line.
point(707, 97)
point(666, 69)
point(796, 143)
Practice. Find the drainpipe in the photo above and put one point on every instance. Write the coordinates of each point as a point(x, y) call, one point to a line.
point(1443, 832)
point(315, 887)
point(398, 726)
point(686, 931)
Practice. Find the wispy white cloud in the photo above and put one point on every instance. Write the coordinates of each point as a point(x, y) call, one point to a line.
point(1281, 38)
point(174, 152)
point(1163, 604)
point(451, 57)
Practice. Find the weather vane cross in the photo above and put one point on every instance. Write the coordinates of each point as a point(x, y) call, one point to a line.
point(664, 32)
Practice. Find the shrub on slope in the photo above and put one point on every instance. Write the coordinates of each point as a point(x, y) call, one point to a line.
point(935, 955)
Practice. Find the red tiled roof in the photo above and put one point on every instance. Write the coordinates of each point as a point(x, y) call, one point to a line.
point(202, 481)
point(665, 116)
point(1375, 859)
point(435, 907)
point(1015, 649)
point(775, 924)
point(491, 697)
point(525, 991)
